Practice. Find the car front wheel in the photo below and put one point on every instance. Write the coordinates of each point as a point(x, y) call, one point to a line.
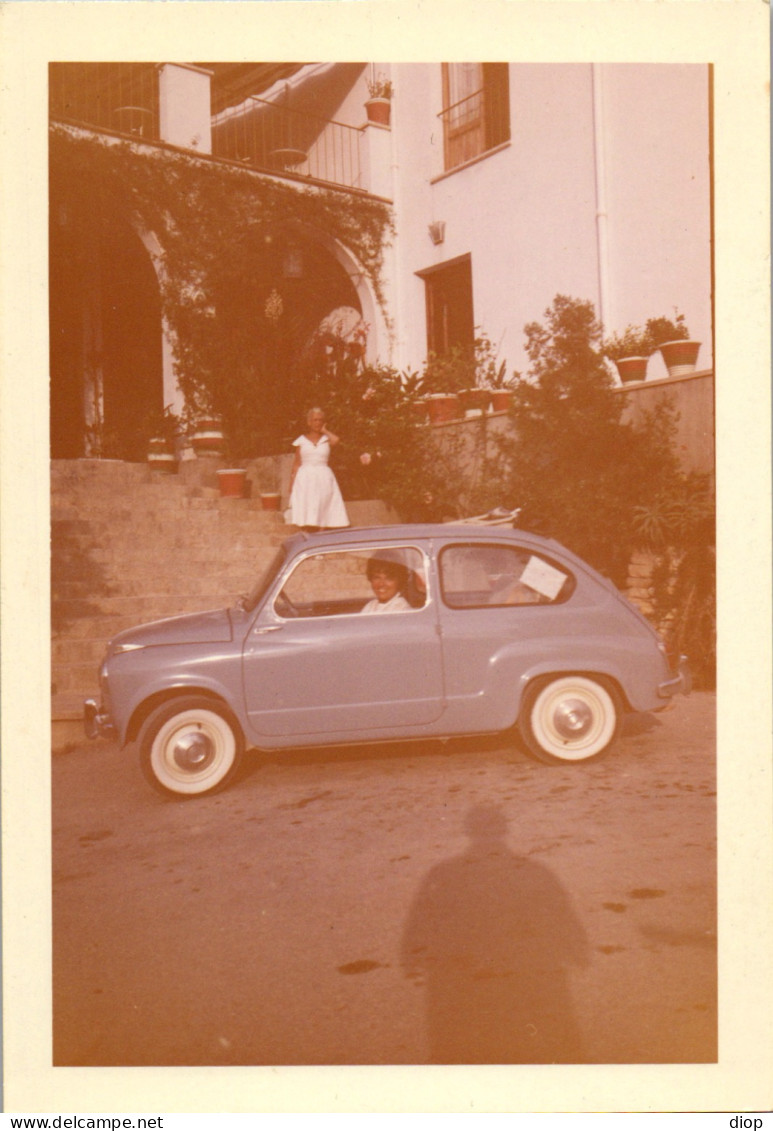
point(569, 718)
point(190, 746)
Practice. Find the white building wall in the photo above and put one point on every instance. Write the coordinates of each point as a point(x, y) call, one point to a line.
point(659, 198)
point(527, 212)
point(185, 115)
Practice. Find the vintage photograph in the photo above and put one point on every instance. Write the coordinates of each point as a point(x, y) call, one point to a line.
point(332, 340)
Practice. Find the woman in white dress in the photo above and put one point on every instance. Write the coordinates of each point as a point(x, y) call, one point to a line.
point(315, 497)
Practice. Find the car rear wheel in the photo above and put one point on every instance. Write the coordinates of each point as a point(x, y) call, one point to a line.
point(190, 746)
point(570, 718)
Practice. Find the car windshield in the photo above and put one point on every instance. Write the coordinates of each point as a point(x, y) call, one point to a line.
point(261, 586)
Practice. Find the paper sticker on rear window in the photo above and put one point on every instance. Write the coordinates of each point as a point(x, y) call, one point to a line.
point(543, 578)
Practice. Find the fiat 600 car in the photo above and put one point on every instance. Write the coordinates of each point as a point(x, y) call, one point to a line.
point(387, 633)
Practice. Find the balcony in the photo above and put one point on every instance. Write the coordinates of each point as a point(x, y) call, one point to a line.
point(124, 99)
point(118, 98)
point(278, 140)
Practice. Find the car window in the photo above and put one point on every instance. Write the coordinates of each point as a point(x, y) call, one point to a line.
point(477, 576)
point(367, 580)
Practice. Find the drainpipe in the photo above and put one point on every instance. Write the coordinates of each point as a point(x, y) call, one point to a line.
point(602, 248)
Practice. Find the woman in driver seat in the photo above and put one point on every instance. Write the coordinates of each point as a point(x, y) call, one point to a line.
point(388, 577)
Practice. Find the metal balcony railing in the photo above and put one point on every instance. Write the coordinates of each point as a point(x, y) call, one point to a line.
point(119, 97)
point(123, 98)
point(270, 137)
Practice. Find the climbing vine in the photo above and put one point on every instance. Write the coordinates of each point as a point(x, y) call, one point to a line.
point(220, 232)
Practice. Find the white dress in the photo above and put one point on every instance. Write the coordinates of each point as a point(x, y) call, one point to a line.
point(316, 499)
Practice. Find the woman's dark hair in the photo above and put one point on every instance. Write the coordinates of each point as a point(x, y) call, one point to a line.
point(390, 567)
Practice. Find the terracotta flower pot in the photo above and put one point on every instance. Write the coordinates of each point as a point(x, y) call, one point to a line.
point(680, 357)
point(160, 455)
point(474, 402)
point(379, 110)
point(207, 440)
point(501, 399)
point(232, 481)
point(419, 411)
point(442, 407)
point(270, 500)
point(632, 369)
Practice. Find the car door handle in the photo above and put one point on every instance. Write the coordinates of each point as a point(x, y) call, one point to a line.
point(268, 628)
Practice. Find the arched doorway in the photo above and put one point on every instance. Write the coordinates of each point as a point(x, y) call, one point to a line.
point(105, 335)
point(265, 318)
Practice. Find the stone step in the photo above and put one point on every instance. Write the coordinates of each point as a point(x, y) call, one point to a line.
point(149, 606)
point(74, 650)
point(67, 713)
point(178, 558)
point(162, 583)
point(75, 679)
point(237, 511)
point(108, 525)
point(105, 627)
point(102, 470)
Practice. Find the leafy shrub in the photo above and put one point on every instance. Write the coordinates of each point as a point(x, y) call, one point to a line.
point(667, 330)
point(465, 367)
point(633, 342)
point(678, 526)
point(577, 469)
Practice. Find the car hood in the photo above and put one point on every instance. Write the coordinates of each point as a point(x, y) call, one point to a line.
point(213, 627)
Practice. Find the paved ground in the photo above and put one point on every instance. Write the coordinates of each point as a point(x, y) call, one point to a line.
point(393, 905)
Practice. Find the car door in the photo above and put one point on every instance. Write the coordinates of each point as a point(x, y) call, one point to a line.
point(502, 610)
point(318, 668)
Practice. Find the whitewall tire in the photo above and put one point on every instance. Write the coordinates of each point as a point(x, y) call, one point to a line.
point(570, 718)
point(190, 746)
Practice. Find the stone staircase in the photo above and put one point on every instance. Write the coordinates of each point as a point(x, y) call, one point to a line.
point(129, 545)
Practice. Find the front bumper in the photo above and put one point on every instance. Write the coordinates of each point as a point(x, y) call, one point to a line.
point(96, 722)
point(680, 684)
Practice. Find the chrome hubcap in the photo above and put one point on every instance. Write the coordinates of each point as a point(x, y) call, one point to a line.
point(572, 718)
point(193, 751)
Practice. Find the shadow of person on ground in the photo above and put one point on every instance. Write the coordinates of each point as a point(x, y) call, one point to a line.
point(492, 937)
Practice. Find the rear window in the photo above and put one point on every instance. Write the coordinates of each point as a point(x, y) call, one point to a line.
point(474, 576)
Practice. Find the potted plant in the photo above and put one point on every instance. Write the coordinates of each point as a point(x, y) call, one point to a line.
point(672, 338)
point(491, 374)
point(239, 447)
point(232, 482)
point(379, 105)
point(474, 400)
point(413, 392)
point(162, 429)
point(501, 399)
point(443, 377)
point(630, 352)
point(207, 438)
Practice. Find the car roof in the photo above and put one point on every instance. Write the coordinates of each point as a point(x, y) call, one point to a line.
point(412, 532)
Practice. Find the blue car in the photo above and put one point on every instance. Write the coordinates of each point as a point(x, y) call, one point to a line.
point(386, 633)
